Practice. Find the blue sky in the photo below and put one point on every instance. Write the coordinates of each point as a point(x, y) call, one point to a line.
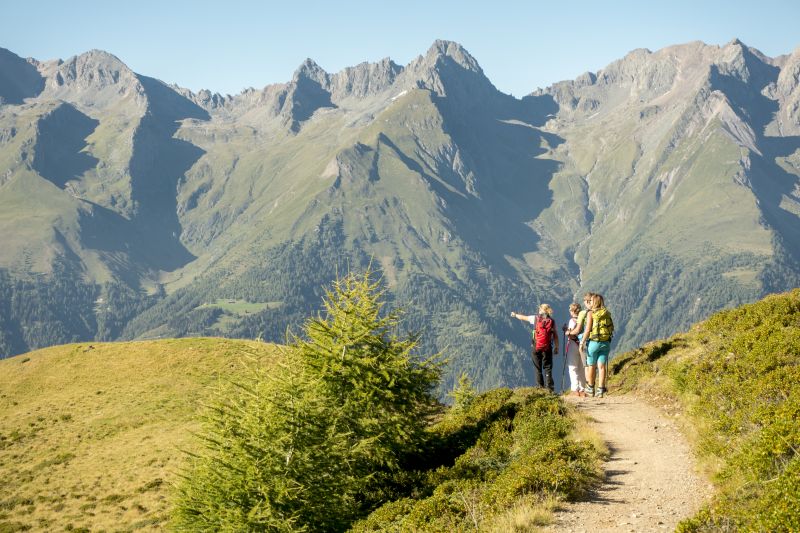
point(227, 46)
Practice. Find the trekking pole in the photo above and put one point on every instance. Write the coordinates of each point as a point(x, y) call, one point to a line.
point(564, 366)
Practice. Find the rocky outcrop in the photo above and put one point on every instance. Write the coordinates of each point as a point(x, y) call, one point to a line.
point(95, 79)
point(306, 93)
point(364, 80)
point(787, 93)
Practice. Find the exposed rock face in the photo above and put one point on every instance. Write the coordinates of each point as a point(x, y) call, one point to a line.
point(94, 79)
point(787, 93)
point(366, 79)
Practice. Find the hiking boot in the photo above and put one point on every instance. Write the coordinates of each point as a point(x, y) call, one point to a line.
point(601, 391)
point(590, 390)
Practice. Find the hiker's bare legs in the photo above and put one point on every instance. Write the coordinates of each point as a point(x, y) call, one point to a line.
point(590, 375)
point(601, 378)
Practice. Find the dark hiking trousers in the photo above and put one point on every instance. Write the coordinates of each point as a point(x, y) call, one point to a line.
point(543, 363)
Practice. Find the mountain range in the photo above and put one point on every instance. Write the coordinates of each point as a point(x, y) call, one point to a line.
point(669, 181)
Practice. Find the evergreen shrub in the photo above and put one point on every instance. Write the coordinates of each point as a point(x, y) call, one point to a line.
point(296, 448)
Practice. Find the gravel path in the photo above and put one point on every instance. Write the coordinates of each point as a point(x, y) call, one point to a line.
point(650, 484)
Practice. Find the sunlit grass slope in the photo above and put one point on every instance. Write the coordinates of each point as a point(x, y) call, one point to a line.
point(735, 377)
point(90, 434)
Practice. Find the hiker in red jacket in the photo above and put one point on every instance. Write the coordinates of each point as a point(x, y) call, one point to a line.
point(544, 343)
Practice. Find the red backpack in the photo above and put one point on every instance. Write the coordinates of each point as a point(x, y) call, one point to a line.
point(543, 332)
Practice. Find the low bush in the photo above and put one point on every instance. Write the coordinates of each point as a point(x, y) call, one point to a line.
point(507, 446)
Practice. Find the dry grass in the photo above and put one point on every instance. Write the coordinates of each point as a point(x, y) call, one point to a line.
point(528, 514)
point(90, 434)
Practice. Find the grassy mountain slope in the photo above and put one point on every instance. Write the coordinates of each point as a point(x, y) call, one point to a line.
point(393, 192)
point(685, 211)
point(667, 181)
point(90, 433)
point(735, 378)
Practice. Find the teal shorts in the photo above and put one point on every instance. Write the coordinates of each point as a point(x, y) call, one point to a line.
point(597, 352)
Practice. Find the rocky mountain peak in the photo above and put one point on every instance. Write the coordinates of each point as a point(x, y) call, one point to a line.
point(100, 61)
point(448, 69)
point(94, 69)
point(94, 79)
point(310, 70)
point(742, 62)
point(451, 51)
point(103, 58)
point(308, 91)
point(626, 69)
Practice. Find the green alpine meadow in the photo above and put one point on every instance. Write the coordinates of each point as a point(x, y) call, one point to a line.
point(133, 210)
point(340, 430)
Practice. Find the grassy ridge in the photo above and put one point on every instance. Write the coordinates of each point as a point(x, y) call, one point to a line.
point(90, 437)
point(89, 433)
point(735, 376)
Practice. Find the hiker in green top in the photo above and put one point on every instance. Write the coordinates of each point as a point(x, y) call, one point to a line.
point(596, 344)
point(544, 343)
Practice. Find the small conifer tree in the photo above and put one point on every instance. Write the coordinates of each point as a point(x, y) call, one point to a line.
point(382, 393)
point(463, 394)
point(293, 447)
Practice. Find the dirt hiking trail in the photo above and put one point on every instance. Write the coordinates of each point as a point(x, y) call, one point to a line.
point(651, 482)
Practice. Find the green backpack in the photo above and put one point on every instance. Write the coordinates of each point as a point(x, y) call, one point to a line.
point(602, 326)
